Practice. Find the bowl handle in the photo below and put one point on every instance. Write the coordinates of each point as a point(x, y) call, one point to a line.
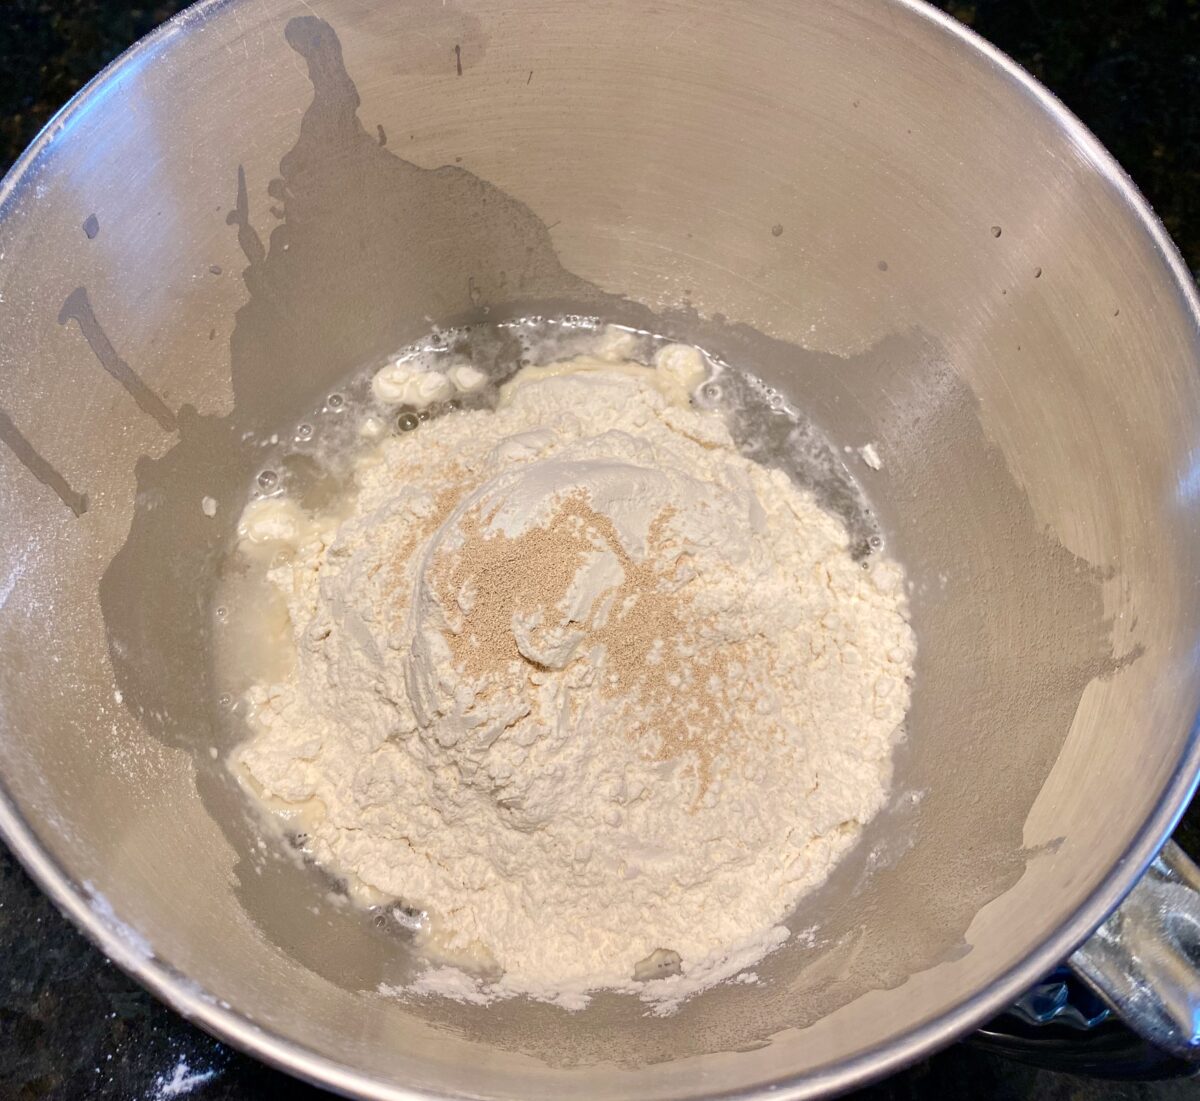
point(1145, 959)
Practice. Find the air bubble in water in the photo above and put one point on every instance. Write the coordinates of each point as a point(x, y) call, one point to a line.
point(875, 542)
point(335, 401)
point(406, 422)
point(268, 480)
point(412, 920)
point(304, 432)
point(711, 391)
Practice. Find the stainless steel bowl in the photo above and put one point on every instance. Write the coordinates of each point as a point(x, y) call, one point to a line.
point(861, 201)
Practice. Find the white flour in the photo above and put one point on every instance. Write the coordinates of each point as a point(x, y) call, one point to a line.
point(598, 694)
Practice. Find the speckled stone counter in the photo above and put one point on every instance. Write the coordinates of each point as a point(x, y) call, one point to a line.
point(72, 1026)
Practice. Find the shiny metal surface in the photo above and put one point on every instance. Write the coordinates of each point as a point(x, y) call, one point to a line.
point(858, 200)
point(1145, 958)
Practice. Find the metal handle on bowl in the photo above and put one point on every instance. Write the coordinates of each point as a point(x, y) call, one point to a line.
point(1145, 959)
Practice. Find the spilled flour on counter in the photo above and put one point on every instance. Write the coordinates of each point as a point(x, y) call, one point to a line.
point(595, 695)
point(183, 1081)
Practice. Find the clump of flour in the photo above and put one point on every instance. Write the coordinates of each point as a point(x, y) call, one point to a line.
point(596, 693)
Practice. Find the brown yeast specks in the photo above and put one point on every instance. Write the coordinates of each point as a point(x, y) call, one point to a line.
point(674, 686)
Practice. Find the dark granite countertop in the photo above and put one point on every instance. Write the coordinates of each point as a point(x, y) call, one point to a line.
point(71, 1025)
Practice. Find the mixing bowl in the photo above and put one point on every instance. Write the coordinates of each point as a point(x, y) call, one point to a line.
point(856, 199)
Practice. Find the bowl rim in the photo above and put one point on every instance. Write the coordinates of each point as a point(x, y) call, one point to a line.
point(95, 918)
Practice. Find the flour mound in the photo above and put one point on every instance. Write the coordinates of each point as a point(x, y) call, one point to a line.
point(599, 695)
